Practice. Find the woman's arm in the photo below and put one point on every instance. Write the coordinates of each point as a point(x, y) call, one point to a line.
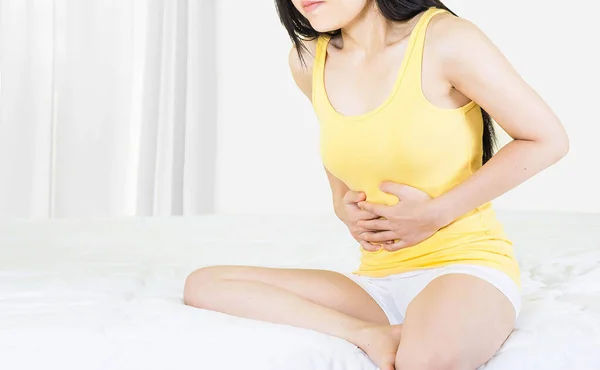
point(344, 201)
point(338, 191)
point(476, 68)
point(302, 75)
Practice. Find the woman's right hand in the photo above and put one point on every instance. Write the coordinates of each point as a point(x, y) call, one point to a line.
point(350, 214)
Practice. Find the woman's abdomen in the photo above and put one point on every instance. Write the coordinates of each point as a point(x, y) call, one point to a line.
point(475, 238)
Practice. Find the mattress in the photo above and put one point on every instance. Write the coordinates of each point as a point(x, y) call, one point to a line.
point(107, 294)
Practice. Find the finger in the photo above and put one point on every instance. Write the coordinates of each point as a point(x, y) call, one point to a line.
point(364, 215)
point(353, 197)
point(392, 188)
point(404, 192)
point(368, 246)
point(398, 244)
point(375, 224)
point(379, 237)
point(377, 209)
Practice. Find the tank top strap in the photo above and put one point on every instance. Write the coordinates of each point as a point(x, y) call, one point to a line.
point(415, 57)
point(318, 83)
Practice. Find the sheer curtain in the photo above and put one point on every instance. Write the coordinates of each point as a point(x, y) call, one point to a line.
point(107, 108)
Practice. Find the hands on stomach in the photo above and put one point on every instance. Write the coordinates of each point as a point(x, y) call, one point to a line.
point(402, 225)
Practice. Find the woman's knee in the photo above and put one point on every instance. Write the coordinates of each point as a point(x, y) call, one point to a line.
point(198, 283)
point(431, 357)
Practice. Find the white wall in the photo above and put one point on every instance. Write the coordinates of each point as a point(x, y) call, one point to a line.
point(268, 159)
point(107, 108)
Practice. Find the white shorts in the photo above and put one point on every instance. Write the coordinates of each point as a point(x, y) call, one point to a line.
point(395, 292)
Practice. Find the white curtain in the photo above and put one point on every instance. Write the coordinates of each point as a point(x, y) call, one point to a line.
point(107, 108)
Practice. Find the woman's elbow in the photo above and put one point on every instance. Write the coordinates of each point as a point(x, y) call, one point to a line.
point(558, 145)
point(563, 146)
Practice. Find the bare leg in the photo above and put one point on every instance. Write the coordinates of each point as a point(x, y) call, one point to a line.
point(457, 322)
point(319, 300)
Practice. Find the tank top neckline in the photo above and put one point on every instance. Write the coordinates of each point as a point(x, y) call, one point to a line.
point(319, 77)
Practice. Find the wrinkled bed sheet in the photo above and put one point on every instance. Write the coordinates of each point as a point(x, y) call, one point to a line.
point(107, 294)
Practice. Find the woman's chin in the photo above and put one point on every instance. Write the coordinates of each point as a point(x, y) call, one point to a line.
point(323, 27)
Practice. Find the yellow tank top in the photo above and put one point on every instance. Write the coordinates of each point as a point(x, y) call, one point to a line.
point(410, 141)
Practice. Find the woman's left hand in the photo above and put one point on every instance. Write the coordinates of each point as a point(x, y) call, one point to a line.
point(409, 222)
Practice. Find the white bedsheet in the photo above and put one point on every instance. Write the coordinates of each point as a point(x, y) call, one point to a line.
point(87, 295)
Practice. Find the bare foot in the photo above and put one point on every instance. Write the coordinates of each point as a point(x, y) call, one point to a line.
point(381, 343)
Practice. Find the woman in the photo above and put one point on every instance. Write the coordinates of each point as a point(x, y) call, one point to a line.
point(402, 90)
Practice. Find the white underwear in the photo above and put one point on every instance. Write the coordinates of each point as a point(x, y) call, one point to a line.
point(395, 292)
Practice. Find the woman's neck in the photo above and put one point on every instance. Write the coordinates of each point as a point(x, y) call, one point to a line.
point(371, 32)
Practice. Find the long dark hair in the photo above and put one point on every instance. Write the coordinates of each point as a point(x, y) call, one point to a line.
point(299, 29)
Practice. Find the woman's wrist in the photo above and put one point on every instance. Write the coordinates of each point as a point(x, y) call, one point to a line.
point(439, 213)
point(339, 209)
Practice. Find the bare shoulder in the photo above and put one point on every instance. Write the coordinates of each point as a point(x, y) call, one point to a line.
point(461, 50)
point(453, 37)
point(302, 72)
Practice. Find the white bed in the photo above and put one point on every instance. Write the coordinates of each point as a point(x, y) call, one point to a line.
point(87, 295)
